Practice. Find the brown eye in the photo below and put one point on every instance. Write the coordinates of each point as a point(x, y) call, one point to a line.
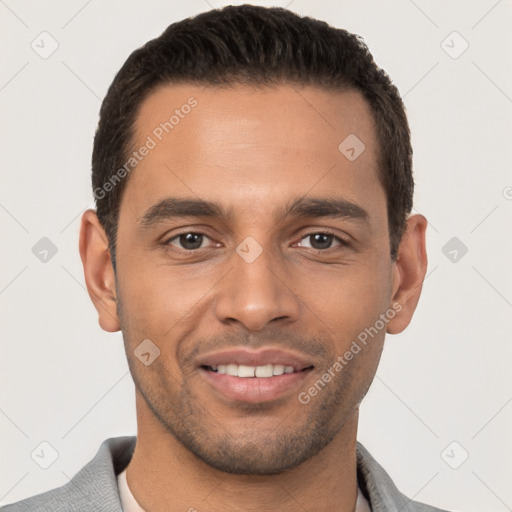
point(188, 241)
point(320, 241)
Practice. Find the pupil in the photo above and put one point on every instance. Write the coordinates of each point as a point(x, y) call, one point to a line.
point(191, 240)
point(321, 241)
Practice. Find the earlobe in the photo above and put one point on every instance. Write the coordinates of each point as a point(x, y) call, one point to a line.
point(409, 271)
point(98, 271)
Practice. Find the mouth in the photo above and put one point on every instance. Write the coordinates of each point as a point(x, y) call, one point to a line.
point(243, 371)
point(246, 376)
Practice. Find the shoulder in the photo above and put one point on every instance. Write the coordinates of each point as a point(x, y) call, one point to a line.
point(94, 487)
point(379, 488)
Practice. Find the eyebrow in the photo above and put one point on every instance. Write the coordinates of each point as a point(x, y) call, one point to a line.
point(326, 207)
point(174, 207)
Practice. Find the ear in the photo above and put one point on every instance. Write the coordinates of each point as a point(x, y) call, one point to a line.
point(409, 271)
point(98, 270)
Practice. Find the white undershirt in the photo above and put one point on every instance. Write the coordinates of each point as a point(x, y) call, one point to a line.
point(129, 503)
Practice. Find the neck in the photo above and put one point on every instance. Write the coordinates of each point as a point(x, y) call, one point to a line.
point(164, 475)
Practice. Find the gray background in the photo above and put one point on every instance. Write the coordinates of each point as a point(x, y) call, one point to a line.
point(443, 389)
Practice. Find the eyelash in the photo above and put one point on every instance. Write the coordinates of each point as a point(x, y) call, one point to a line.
point(176, 237)
point(342, 242)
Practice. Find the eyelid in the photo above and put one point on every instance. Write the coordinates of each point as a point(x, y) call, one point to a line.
point(168, 239)
point(340, 239)
point(185, 230)
point(325, 231)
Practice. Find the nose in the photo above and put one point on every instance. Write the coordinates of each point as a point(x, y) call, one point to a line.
point(256, 293)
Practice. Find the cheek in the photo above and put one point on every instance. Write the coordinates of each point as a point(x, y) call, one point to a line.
point(159, 302)
point(347, 299)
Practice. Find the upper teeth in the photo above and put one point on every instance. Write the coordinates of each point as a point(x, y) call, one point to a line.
point(240, 370)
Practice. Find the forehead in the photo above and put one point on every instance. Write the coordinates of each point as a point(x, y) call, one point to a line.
point(249, 145)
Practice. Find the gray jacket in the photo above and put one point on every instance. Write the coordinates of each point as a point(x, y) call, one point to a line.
point(94, 487)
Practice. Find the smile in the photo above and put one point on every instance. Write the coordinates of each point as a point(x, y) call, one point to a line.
point(243, 371)
point(243, 375)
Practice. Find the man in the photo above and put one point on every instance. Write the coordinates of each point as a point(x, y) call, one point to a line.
point(253, 241)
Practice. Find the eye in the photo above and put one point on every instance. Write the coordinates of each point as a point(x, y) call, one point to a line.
point(188, 241)
point(320, 241)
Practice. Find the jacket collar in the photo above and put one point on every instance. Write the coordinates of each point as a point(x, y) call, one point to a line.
point(115, 454)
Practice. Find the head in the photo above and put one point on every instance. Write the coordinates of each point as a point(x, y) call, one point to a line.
point(253, 183)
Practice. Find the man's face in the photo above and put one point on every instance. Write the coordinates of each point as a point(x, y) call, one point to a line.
point(269, 277)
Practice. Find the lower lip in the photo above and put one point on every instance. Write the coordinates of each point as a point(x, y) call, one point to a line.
point(254, 389)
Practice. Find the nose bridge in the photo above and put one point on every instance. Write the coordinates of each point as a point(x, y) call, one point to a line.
point(254, 293)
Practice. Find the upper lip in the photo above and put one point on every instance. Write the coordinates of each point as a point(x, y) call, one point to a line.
point(260, 357)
